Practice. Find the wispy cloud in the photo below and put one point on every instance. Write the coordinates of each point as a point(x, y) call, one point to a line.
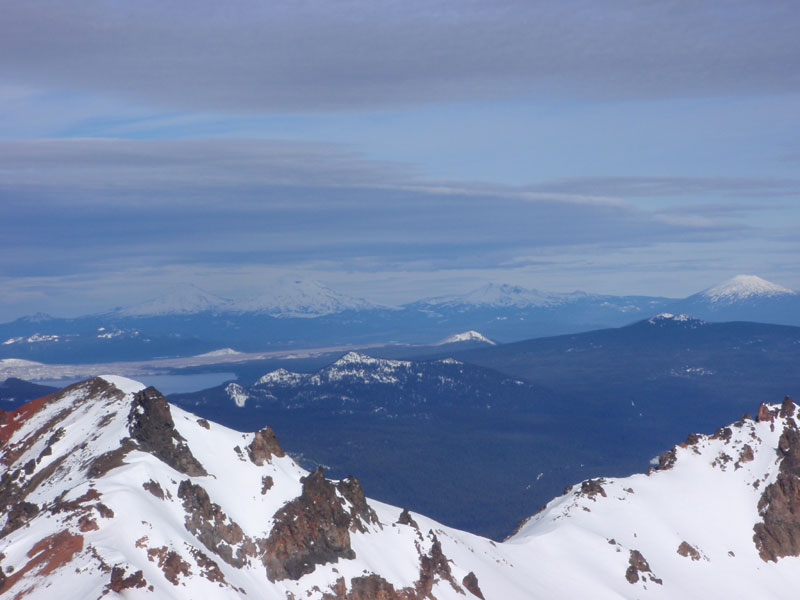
point(72, 206)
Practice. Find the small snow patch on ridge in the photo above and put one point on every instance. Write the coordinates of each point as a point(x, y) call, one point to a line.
point(466, 336)
point(237, 393)
point(670, 317)
point(663, 318)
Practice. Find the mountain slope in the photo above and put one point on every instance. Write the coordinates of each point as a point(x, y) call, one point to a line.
point(108, 489)
point(300, 299)
point(14, 391)
point(665, 365)
point(743, 298)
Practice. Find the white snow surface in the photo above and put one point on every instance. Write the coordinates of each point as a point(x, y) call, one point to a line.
point(499, 295)
point(744, 287)
point(237, 393)
point(299, 298)
point(665, 318)
point(220, 352)
point(182, 299)
point(282, 298)
point(125, 385)
point(353, 366)
point(466, 336)
point(577, 547)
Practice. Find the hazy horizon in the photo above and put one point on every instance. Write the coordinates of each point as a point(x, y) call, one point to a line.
point(394, 151)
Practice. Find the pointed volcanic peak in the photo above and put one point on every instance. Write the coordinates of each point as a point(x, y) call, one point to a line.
point(301, 299)
point(494, 295)
point(743, 298)
point(179, 300)
point(744, 288)
point(466, 337)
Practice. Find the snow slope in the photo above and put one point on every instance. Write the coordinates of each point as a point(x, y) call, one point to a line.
point(466, 336)
point(300, 298)
point(180, 300)
point(744, 287)
point(498, 296)
point(106, 488)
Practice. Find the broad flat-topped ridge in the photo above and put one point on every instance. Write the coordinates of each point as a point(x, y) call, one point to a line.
point(106, 487)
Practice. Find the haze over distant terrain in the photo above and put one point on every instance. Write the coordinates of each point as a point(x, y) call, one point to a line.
point(394, 151)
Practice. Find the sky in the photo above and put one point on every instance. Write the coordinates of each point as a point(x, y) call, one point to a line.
point(394, 150)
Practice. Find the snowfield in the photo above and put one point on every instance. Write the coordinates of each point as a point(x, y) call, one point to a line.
point(106, 489)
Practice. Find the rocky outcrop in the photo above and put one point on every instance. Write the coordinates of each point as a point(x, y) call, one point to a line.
point(787, 408)
point(687, 550)
point(470, 582)
point(209, 524)
point(764, 414)
point(639, 569)
point(592, 487)
point(431, 566)
point(151, 426)
point(154, 488)
point(120, 582)
point(314, 528)
point(368, 587)
point(110, 460)
point(406, 519)
point(170, 563)
point(264, 446)
point(666, 460)
point(778, 534)
point(20, 513)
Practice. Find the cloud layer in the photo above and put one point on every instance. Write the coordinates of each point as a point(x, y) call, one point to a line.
point(75, 207)
point(314, 54)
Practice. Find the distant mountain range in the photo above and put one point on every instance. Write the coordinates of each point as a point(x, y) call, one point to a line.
point(189, 321)
point(549, 411)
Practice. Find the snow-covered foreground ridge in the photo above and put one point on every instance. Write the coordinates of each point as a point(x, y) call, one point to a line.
point(107, 490)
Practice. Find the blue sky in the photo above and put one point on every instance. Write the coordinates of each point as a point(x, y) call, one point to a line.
point(394, 150)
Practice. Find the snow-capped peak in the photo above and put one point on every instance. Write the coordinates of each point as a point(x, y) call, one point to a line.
point(220, 352)
point(466, 336)
point(364, 359)
point(298, 298)
point(744, 287)
point(282, 377)
point(498, 295)
point(180, 300)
